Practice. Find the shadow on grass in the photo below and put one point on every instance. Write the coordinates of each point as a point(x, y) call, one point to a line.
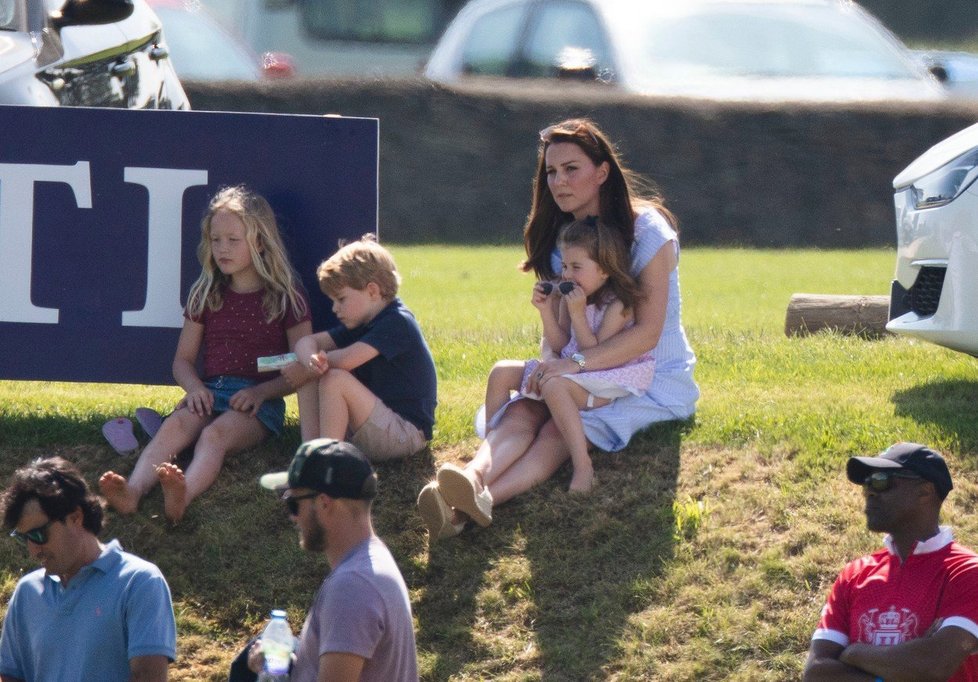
point(44, 430)
point(235, 555)
point(546, 591)
point(549, 588)
point(948, 403)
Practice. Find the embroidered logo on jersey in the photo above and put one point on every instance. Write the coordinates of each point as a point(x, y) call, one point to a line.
point(886, 628)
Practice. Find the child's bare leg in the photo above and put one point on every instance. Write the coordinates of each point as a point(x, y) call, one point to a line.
point(230, 432)
point(504, 377)
point(566, 399)
point(307, 398)
point(177, 432)
point(344, 404)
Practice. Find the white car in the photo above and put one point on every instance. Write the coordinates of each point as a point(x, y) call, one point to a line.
point(202, 49)
point(748, 50)
point(98, 53)
point(958, 70)
point(934, 294)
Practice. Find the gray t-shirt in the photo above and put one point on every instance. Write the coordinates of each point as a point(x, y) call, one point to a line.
point(361, 608)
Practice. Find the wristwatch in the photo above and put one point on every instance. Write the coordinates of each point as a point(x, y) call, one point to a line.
point(579, 359)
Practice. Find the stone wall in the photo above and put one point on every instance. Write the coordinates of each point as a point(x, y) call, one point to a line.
point(456, 164)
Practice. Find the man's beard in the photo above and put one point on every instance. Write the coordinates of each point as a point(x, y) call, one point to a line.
point(314, 539)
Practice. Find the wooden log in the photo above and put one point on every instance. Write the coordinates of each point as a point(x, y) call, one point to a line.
point(859, 315)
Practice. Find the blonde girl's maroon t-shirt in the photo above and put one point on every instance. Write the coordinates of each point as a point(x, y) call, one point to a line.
point(237, 334)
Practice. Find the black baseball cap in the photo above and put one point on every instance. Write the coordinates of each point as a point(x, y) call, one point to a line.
point(914, 457)
point(330, 466)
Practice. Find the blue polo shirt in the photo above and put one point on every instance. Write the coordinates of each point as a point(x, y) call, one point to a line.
point(116, 608)
point(403, 373)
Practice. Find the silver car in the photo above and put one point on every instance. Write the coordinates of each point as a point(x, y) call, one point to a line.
point(108, 53)
point(934, 294)
point(768, 50)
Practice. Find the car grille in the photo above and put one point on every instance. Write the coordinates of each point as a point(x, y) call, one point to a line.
point(925, 293)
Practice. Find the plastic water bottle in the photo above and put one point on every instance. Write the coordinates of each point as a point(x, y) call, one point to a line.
point(276, 644)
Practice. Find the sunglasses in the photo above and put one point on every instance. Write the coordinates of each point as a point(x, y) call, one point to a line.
point(548, 287)
point(39, 535)
point(547, 133)
point(292, 502)
point(881, 481)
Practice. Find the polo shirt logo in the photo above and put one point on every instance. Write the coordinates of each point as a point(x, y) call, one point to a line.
point(886, 628)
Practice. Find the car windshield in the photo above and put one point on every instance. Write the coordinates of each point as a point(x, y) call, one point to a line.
point(10, 15)
point(202, 50)
point(769, 40)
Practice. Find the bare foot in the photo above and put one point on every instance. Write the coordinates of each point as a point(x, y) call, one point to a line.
point(174, 491)
point(582, 482)
point(117, 492)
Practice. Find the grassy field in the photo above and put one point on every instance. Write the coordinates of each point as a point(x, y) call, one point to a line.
point(704, 554)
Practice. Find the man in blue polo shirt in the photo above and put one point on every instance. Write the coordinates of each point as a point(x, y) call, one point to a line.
point(92, 611)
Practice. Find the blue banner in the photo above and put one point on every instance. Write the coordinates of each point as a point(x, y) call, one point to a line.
point(100, 213)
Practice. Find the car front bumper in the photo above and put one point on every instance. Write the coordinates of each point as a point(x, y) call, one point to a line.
point(934, 294)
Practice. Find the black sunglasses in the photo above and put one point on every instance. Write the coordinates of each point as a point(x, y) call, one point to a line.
point(881, 481)
point(39, 535)
point(292, 502)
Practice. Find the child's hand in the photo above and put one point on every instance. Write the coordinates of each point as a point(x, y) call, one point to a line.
point(319, 363)
point(298, 374)
point(576, 301)
point(200, 401)
point(541, 294)
point(247, 400)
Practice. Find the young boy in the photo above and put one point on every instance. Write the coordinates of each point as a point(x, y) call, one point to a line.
point(371, 380)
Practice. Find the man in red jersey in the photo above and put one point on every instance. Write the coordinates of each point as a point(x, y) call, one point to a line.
point(909, 611)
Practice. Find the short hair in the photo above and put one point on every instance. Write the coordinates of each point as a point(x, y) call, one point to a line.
point(356, 265)
point(59, 488)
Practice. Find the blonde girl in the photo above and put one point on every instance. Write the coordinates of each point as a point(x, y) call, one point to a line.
point(247, 303)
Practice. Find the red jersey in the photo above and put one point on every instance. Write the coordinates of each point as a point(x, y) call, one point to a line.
point(882, 601)
point(236, 335)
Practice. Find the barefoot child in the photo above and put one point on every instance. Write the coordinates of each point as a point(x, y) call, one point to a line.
point(371, 379)
point(247, 303)
point(595, 261)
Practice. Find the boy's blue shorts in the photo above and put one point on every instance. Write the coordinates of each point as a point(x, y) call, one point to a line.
point(271, 413)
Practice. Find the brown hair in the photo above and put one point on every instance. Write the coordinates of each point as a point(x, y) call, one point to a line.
point(619, 195)
point(356, 265)
point(604, 245)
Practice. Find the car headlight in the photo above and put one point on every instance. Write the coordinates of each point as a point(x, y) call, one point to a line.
point(947, 182)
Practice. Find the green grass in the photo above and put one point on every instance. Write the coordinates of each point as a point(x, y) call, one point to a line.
point(704, 554)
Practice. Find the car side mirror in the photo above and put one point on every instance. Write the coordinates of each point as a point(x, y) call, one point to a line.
point(939, 72)
point(91, 13)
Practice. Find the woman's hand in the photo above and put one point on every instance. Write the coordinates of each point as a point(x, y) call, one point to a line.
point(247, 400)
point(548, 369)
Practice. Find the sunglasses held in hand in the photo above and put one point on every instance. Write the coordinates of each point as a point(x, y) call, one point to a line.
point(564, 287)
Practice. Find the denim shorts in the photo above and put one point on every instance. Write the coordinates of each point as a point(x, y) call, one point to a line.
point(271, 413)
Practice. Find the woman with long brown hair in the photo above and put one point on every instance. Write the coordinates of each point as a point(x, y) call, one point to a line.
point(579, 174)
